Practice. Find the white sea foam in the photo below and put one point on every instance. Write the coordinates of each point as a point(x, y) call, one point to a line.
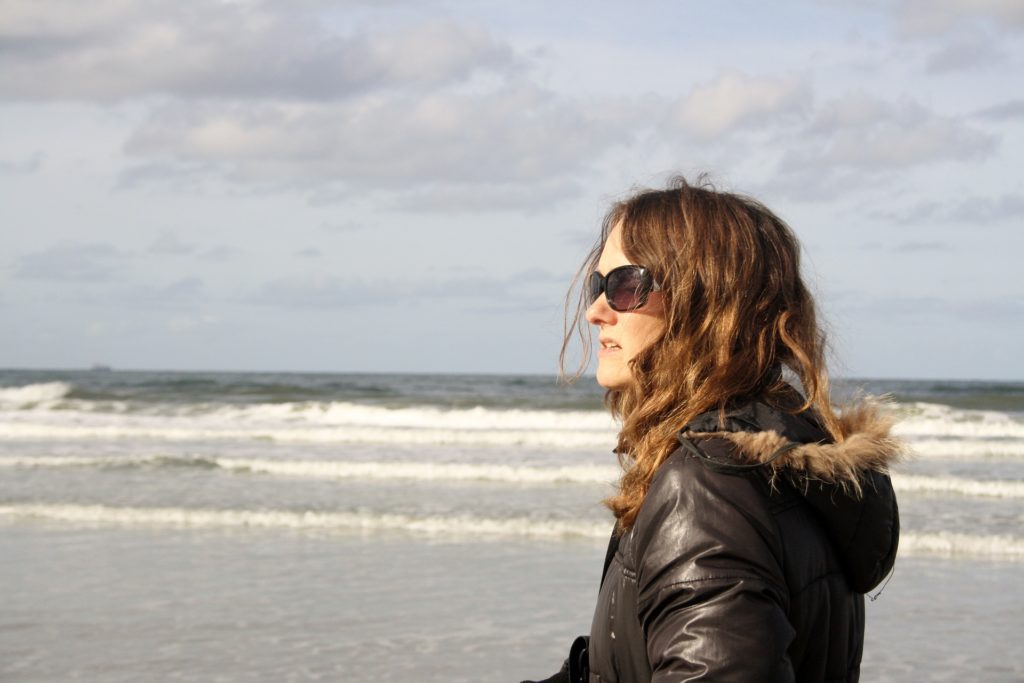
point(932, 420)
point(966, 448)
point(43, 397)
point(335, 469)
point(33, 394)
point(942, 543)
point(42, 412)
point(482, 472)
point(71, 425)
point(958, 486)
point(198, 430)
point(963, 545)
point(308, 520)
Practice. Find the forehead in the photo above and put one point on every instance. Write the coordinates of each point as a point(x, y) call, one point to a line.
point(612, 255)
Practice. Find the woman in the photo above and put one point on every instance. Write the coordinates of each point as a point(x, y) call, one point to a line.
point(751, 518)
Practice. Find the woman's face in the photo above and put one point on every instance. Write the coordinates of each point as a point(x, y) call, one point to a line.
point(622, 335)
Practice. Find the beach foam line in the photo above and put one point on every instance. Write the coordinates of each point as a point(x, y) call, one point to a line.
point(914, 483)
point(949, 544)
point(334, 469)
point(592, 474)
point(939, 420)
point(305, 521)
point(179, 429)
point(966, 448)
point(48, 403)
point(34, 394)
point(571, 439)
point(945, 544)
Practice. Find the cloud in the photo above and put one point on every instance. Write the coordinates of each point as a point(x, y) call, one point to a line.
point(918, 247)
point(1007, 111)
point(969, 211)
point(84, 263)
point(516, 135)
point(300, 293)
point(178, 176)
point(170, 244)
point(910, 309)
point(471, 197)
point(112, 50)
point(25, 166)
point(735, 100)
point(343, 225)
point(220, 252)
point(334, 293)
point(309, 252)
point(184, 292)
point(930, 17)
point(187, 323)
point(861, 132)
point(966, 54)
point(988, 210)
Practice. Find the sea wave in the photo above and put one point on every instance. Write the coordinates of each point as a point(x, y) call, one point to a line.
point(949, 544)
point(940, 543)
point(585, 474)
point(52, 397)
point(50, 411)
point(42, 394)
point(186, 431)
point(938, 420)
point(957, 448)
point(915, 483)
point(335, 469)
point(307, 520)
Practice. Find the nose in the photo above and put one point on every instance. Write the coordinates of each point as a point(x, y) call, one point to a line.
point(600, 313)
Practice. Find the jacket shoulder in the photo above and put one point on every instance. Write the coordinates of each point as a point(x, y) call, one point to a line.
point(697, 524)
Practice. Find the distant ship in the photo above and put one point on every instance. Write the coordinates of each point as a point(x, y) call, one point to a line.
point(100, 367)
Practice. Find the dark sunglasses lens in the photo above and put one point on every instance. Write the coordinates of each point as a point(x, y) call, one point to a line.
point(626, 289)
point(594, 287)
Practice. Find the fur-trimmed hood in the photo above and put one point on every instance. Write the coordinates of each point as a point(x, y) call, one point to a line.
point(846, 483)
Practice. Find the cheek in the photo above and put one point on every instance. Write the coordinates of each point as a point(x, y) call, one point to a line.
point(645, 333)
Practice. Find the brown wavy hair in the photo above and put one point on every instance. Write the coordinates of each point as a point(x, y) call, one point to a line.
point(737, 315)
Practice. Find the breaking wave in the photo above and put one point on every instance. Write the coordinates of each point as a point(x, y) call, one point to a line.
point(51, 411)
point(307, 521)
point(456, 471)
point(943, 543)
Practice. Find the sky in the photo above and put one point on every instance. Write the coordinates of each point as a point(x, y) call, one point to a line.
point(410, 186)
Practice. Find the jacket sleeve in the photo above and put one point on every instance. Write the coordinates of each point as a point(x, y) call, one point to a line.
point(712, 596)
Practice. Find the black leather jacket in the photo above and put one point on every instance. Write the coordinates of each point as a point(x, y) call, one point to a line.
point(750, 555)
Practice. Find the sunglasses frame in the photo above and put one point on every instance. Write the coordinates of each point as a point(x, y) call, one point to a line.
point(598, 285)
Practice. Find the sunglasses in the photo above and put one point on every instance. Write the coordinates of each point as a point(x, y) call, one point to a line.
point(626, 287)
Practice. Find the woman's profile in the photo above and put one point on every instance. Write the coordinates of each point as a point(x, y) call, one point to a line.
point(751, 516)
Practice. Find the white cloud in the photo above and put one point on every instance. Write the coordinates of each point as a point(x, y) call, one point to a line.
point(184, 292)
point(168, 243)
point(734, 100)
point(483, 197)
point(1006, 111)
point(313, 293)
point(965, 54)
point(516, 134)
point(988, 210)
point(24, 166)
point(85, 263)
point(101, 51)
point(926, 17)
point(859, 131)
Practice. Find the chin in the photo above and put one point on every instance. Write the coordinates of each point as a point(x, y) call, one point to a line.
point(614, 379)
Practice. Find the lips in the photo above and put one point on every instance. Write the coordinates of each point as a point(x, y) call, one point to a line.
point(608, 344)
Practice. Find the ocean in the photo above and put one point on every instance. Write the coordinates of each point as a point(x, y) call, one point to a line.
point(165, 526)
